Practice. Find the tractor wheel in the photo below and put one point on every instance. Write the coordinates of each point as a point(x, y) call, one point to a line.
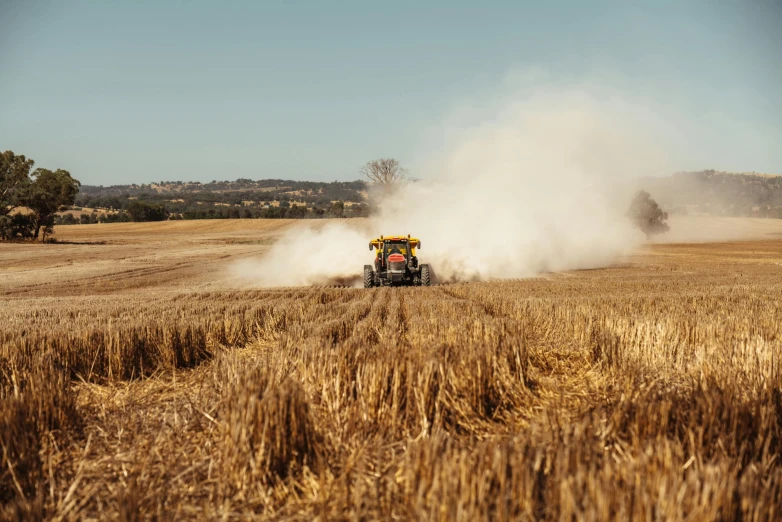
point(369, 276)
point(426, 276)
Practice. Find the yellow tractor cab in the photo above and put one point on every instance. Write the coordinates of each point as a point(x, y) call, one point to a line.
point(396, 263)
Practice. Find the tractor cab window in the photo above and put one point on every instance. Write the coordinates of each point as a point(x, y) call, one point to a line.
point(392, 247)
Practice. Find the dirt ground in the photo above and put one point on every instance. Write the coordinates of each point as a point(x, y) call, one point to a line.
point(114, 257)
point(193, 255)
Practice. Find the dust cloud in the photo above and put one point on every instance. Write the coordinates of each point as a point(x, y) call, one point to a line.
point(715, 229)
point(539, 182)
point(332, 254)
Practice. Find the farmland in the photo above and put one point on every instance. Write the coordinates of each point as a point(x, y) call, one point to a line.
point(141, 381)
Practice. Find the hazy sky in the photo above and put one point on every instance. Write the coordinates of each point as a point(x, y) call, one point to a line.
point(124, 92)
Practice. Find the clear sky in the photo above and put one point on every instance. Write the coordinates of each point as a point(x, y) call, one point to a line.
point(129, 92)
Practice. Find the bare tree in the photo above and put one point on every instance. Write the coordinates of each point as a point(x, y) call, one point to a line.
point(384, 172)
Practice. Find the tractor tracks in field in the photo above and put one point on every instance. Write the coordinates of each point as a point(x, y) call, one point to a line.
point(560, 364)
point(489, 310)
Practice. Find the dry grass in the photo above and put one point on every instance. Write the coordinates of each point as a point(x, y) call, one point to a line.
point(650, 390)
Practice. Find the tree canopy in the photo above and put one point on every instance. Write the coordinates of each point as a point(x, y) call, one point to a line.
point(42, 192)
point(14, 180)
point(140, 211)
point(48, 193)
point(646, 214)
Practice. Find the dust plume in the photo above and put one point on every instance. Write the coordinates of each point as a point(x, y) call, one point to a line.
point(715, 229)
point(539, 182)
point(331, 254)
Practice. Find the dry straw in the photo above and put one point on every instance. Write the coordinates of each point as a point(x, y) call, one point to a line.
point(649, 392)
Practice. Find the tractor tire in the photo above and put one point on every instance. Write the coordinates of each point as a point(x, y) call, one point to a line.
point(426, 276)
point(369, 277)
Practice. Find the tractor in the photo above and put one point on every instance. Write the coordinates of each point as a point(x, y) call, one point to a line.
point(396, 263)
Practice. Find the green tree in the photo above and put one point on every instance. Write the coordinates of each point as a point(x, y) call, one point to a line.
point(67, 219)
point(297, 212)
point(359, 210)
point(16, 226)
point(14, 180)
point(140, 211)
point(647, 215)
point(47, 193)
point(337, 210)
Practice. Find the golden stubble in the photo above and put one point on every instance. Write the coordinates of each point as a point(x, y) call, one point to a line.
point(647, 390)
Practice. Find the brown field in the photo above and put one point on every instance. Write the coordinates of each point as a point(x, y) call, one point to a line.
point(139, 382)
point(87, 210)
point(74, 213)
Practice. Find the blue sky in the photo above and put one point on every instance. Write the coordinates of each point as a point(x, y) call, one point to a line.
point(131, 92)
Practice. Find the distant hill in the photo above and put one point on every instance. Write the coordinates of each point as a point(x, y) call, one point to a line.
point(704, 192)
point(718, 193)
point(269, 198)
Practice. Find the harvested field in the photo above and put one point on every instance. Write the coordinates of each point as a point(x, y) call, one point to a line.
point(138, 382)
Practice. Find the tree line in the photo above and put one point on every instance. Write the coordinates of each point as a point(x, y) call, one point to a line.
point(719, 193)
point(30, 199)
point(142, 211)
point(240, 199)
point(180, 197)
